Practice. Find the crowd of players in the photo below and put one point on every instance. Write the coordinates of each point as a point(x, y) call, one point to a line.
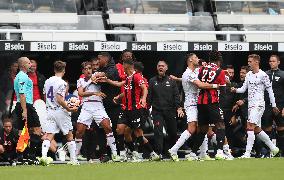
point(117, 101)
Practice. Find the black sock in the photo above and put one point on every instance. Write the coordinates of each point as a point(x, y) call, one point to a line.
point(197, 140)
point(130, 146)
point(220, 137)
point(120, 142)
point(280, 141)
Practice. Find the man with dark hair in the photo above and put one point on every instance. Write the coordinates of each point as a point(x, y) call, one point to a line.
point(8, 140)
point(133, 103)
point(38, 81)
point(256, 82)
point(276, 76)
point(208, 102)
point(107, 68)
point(164, 98)
point(58, 118)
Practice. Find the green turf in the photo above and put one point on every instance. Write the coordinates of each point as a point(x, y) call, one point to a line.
point(249, 169)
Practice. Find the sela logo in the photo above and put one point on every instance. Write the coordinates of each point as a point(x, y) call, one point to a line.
point(263, 47)
point(233, 47)
point(110, 46)
point(14, 47)
point(202, 47)
point(78, 47)
point(172, 46)
point(45, 46)
point(141, 47)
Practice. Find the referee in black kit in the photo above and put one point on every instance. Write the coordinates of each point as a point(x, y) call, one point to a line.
point(163, 96)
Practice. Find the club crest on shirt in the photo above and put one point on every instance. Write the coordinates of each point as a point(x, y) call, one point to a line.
point(168, 83)
point(277, 78)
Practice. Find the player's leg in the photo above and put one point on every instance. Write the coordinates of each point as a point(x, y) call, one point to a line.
point(158, 121)
point(84, 121)
point(191, 113)
point(106, 125)
point(71, 147)
point(280, 130)
point(266, 125)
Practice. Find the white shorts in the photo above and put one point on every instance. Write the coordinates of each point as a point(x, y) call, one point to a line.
point(94, 113)
point(58, 120)
point(254, 114)
point(191, 113)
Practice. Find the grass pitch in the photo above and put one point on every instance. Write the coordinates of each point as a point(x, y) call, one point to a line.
point(239, 169)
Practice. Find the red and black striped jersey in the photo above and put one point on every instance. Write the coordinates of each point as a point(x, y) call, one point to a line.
point(132, 92)
point(211, 74)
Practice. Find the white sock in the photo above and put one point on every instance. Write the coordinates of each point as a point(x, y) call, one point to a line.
point(250, 141)
point(122, 153)
point(111, 143)
point(265, 138)
point(183, 137)
point(213, 139)
point(72, 150)
point(45, 147)
point(204, 146)
point(78, 146)
point(226, 148)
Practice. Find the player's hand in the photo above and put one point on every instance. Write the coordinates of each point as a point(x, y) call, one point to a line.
point(143, 102)
point(276, 110)
point(116, 99)
point(180, 113)
point(102, 79)
point(233, 90)
point(235, 108)
point(240, 102)
point(173, 77)
point(282, 113)
point(24, 115)
point(100, 94)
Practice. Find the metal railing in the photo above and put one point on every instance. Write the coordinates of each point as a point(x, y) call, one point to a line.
point(227, 34)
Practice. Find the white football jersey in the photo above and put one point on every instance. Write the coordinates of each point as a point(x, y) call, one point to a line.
point(256, 85)
point(53, 86)
point(89, 87)
point(190, 90)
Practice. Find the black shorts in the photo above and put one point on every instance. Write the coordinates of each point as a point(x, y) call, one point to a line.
point(268, 117)
point(33, 119)
point(209, 114)
point(134, 119)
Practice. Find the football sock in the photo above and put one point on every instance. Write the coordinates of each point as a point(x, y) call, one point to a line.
point(45, 147)
point(220, 137)
point(265, 138)
point(250, 141)
point(78, 146)
point(204, 145)
point(111, 143)
point(183, 137)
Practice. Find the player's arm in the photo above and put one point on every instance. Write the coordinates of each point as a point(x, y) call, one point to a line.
point(150, 89)
point(117, 98)
point(144, 95)
point(115, 83)
point(268, 86)
point(61, 101)
point(23, 102)
point(177, 100)
point(241, 89)
point(175, 78)
point(202, 85)
point(83, 93)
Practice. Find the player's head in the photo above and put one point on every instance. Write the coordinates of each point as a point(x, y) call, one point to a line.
point(138, 66)
point(128, 65)
point(95, 64)
point(274, 62)
point(14, 67)
point(87, 68)
point(244, 70)
point(191, 58)
point(162, 68)
point(7, 123)
point(231, 71)
point(104, 58)
point(24, 64)
point(126, 54)
point(253, 61)
point(34, 66)
point(59, 66)
point(215, 57)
